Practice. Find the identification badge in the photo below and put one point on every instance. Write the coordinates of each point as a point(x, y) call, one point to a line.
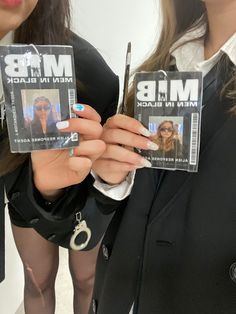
point(169, 105)
point(39, 89)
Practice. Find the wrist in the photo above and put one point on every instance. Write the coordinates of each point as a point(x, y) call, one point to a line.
point(115, 180)
point(112, 182)
point(51, 195)
point(47, 194)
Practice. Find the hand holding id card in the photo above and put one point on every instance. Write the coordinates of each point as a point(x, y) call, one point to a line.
point(169, 104)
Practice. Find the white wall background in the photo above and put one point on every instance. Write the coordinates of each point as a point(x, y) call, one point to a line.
point(109, 25)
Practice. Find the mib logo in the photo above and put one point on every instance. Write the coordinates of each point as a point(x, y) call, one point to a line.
point(175, 90)
point(32, 65)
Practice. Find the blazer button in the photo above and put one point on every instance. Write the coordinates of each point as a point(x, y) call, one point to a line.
point(51, 237)
point(34, 221)
point(15, 195)
point(105, 252)
point(232, 272)
point(94, 306)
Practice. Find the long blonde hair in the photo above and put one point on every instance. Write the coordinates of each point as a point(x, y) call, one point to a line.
point(179, 17)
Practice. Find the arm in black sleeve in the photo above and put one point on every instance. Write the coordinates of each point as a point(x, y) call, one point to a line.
point(55, 221)
point(105, 204)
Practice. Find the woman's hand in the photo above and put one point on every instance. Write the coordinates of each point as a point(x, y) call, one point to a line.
point(54, 169)
point(121, 134)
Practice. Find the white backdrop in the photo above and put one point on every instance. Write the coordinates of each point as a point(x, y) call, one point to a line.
point(110, 24)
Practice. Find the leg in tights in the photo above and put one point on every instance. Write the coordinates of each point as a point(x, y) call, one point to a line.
point(40, 261)
point(82, 267)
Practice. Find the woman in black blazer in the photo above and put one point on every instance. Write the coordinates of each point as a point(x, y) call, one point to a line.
point(171, 247)
point(46, 174)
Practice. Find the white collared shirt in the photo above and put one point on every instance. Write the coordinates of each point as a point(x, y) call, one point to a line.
point(188, 57)
point(7, 39)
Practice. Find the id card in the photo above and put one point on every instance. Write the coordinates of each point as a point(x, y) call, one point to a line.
point(169, 105)
point(39, 88)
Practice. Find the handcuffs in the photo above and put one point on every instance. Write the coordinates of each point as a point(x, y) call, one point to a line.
point(79, 228)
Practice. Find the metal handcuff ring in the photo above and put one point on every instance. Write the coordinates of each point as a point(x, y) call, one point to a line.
point(81, 227)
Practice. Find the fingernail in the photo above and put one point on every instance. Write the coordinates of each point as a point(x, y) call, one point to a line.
point(78, 107)
point(146, 163)
point(152, 146)
point(62, 125)
point(144, 132)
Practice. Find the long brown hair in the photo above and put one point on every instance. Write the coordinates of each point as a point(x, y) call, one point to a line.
point(49, 23)
point(179, 17)
point(169, 143)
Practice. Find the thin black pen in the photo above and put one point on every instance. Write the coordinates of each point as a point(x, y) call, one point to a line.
point(123, 106)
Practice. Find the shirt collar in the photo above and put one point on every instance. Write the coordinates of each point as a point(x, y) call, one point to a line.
point(190, 55)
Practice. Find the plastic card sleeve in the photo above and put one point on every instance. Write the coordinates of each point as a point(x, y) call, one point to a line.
point(39, 88)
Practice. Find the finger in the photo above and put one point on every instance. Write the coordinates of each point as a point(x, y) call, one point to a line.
point(89, 128)
point(127, 123)
point(123, 154)
point(112, 166)
point(90, 149)
point(123, 137)
point(80, 167)
point(87, 112)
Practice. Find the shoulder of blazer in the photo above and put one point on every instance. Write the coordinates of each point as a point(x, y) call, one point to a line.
point(100, 86)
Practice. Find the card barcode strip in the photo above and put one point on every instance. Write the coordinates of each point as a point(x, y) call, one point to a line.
point(194, 139)
point(72, 100)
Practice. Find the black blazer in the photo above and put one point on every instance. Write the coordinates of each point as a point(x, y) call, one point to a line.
point(98, 87)
point(171, 247)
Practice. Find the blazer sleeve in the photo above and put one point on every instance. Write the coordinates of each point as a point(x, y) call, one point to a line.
point(104, 203)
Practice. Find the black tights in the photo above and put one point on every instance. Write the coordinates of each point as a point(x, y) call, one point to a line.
point(40, 259)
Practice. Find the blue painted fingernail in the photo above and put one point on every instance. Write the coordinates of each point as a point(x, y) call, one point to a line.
point(78, 107)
